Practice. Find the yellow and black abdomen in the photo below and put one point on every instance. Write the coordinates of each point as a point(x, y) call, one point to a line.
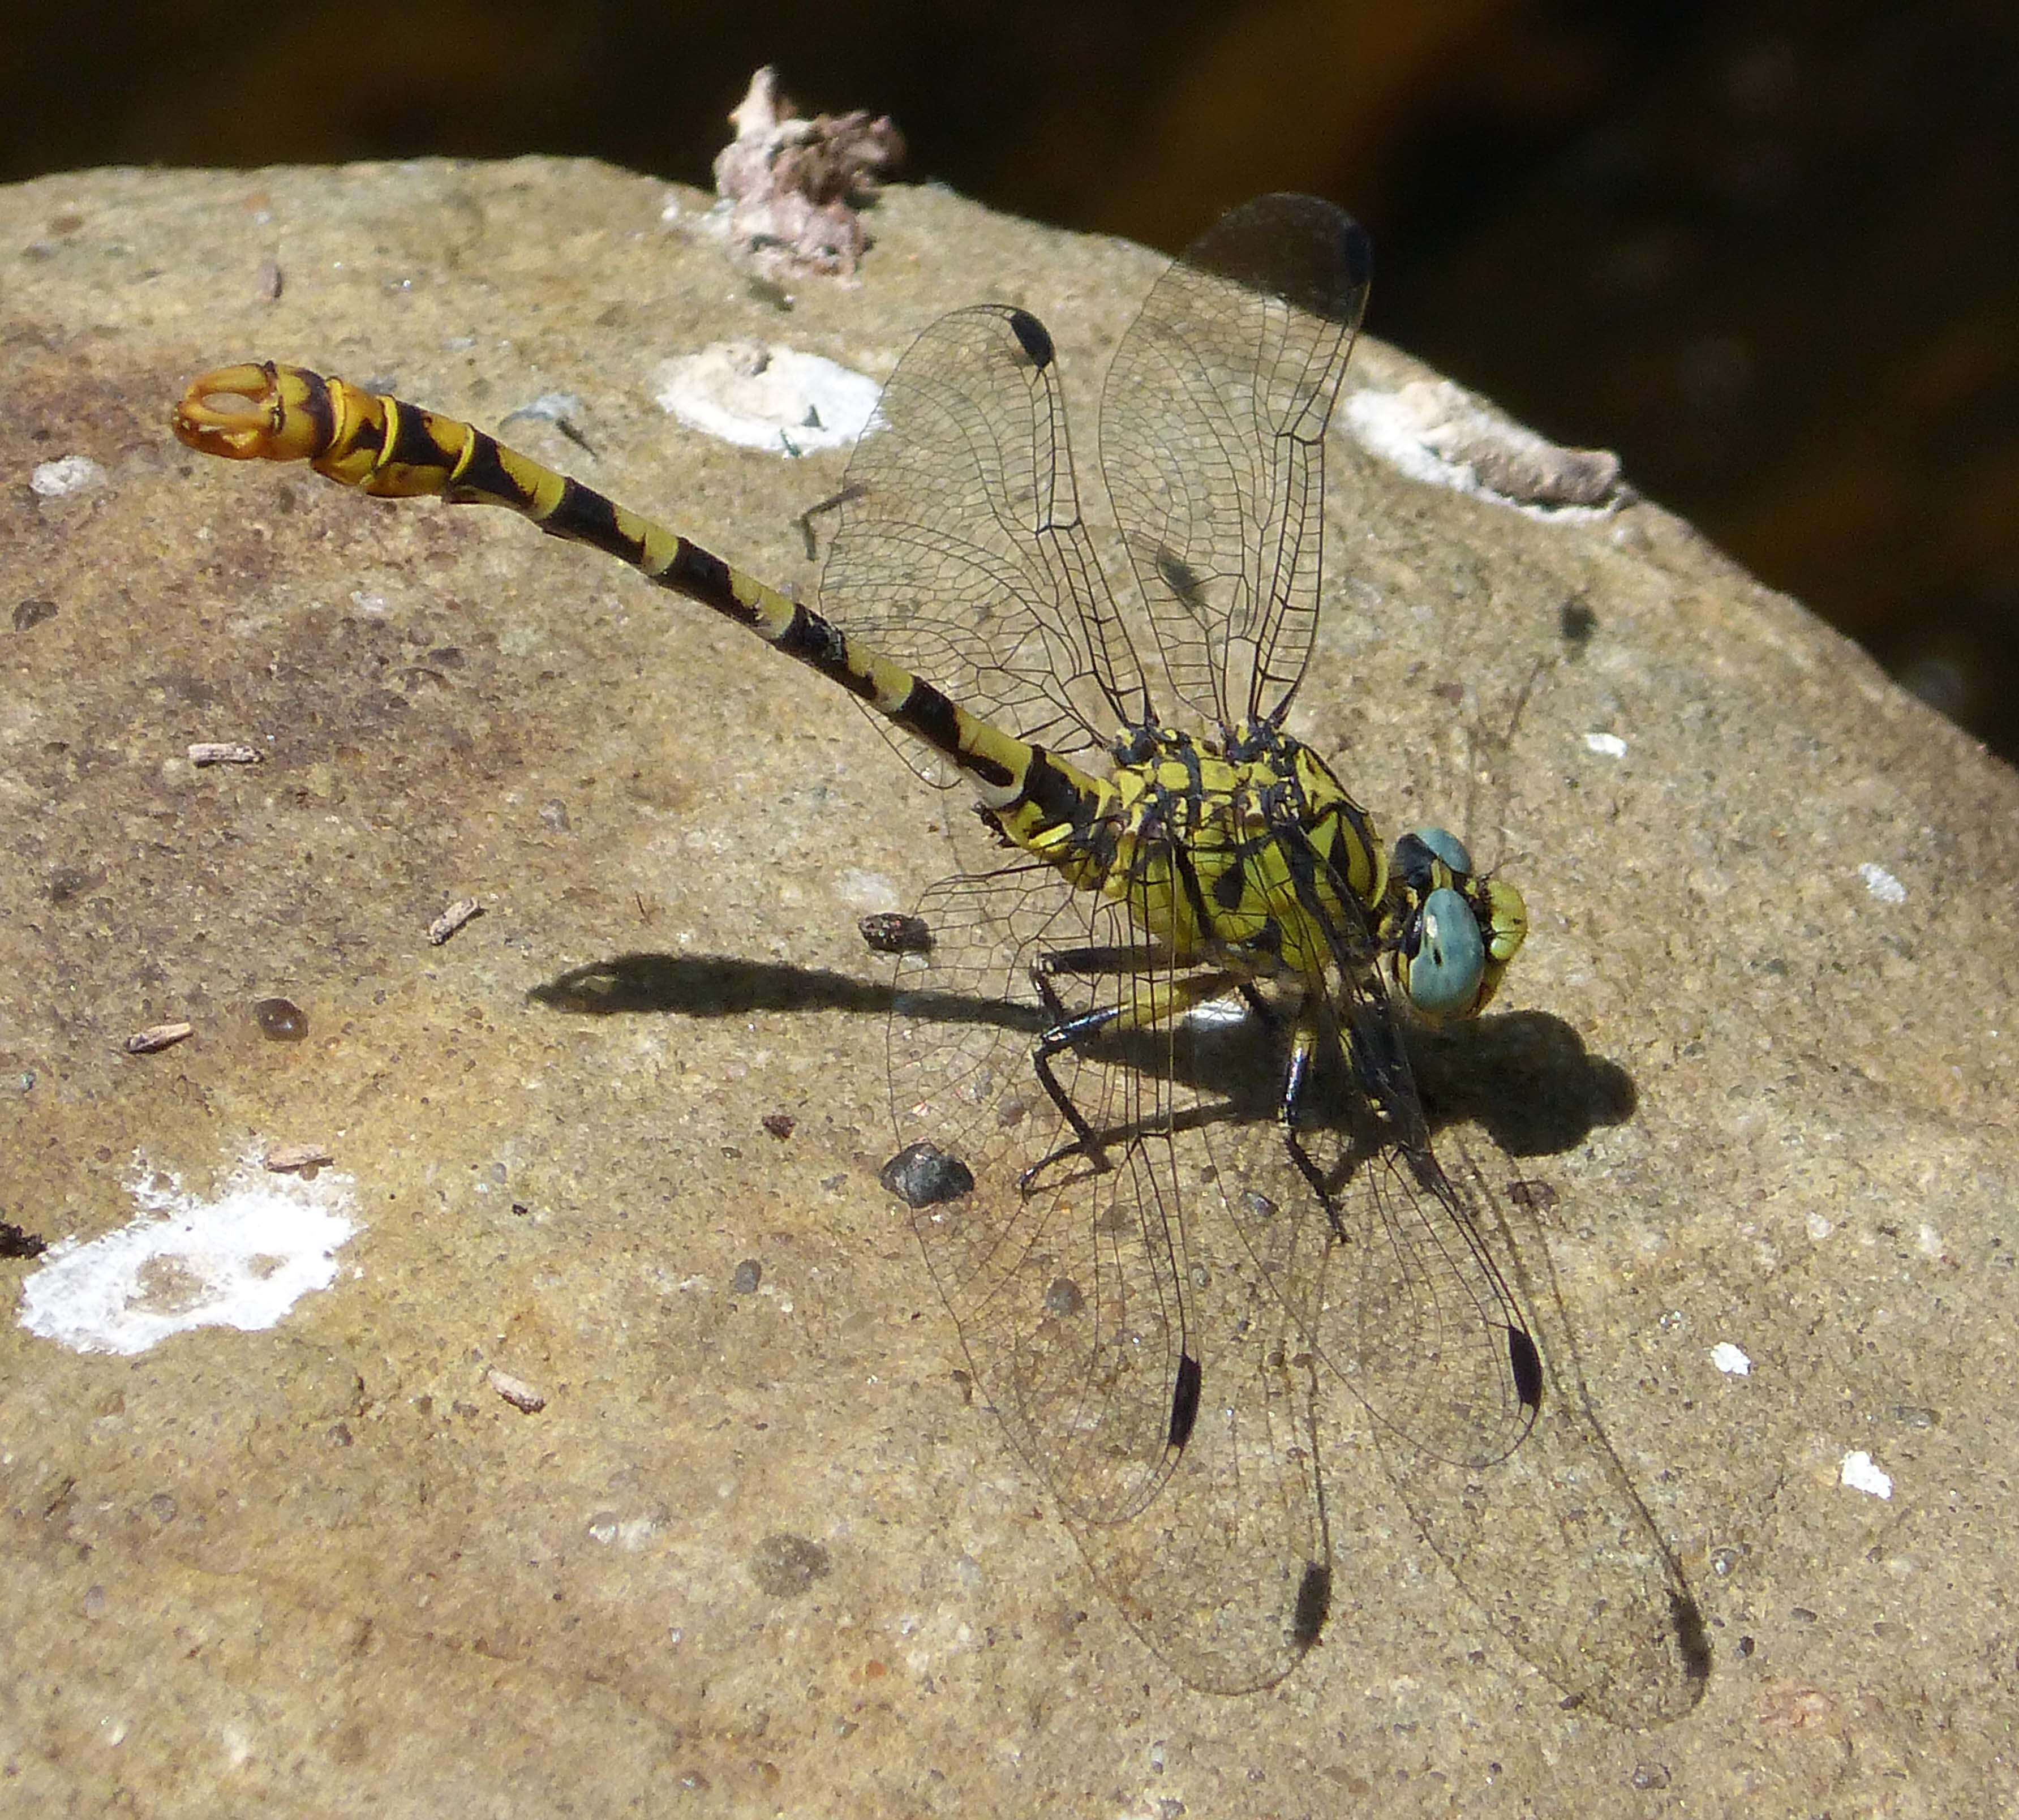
point(381, 445)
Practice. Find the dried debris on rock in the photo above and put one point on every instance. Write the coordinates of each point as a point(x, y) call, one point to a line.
point(1439, 432)
point(796, 184)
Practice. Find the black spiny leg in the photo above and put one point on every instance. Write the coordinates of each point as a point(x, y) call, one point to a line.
point(1068, 1031)
point(1164, 1001)
point(1304, 1040)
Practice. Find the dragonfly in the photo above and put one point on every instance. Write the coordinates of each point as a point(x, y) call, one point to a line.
point(1150, 1047)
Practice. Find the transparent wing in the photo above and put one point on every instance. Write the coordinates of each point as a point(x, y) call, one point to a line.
point(1212, 431)
point(1377, 1257)
point(1065, 1286)
point(1404, 1277)
point(1226, 1575)
point(960, 552)
point(1108, 1310)
point(1552, 1543)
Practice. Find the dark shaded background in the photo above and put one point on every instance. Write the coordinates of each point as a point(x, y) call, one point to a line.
point(1770, 252)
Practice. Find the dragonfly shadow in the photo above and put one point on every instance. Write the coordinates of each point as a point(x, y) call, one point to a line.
point(1525, 1076)
point(713, 985)
point(706, 985)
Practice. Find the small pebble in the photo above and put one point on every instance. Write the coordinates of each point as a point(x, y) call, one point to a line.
point(921, 1175)
point(281, 1020)
point(453, 919)
point(516, 1391)
point(16, 1241)
point(156, 1036)
point(888, 932)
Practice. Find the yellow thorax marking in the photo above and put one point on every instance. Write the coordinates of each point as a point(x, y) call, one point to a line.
point(1239, 824)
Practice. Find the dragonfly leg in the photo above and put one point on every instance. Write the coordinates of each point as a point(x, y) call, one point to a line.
point(1068, 1030)
point(1071, 1035)
point(1305, 1038)
point(1161, 1001)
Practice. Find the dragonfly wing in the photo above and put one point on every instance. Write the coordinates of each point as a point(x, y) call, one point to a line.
point(1212, 432)
point(1404, 1277)
point(1063, 1276)
point(1553, 1543)
point(1110, 1314)
point(1227, 1574)
point(1378, 1257)
point(960, 551)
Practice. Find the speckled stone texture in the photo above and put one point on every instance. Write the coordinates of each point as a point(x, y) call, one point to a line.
point(754, 1551)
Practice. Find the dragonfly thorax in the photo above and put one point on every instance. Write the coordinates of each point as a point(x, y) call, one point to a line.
point(1242, 851)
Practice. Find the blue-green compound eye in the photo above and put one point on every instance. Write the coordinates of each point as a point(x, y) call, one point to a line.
point(1442, 975)
point(1448, 848)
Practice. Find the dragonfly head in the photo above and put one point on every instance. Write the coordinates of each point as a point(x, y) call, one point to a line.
point(1451, 931)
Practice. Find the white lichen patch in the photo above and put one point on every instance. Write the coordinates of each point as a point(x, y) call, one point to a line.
point(1605, 744)
point(1858, 1472)
point(773, 398)
point(1882, 884)
point(1730, 1360)
point(1439, 432)
point(866, 891)
point(67, 474)
point(241, 1257)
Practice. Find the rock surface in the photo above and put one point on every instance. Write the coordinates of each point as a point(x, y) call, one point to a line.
point(733, 1539)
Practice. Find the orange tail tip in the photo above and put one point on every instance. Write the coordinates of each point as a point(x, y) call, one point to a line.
point(253, 412)
point(233, 412)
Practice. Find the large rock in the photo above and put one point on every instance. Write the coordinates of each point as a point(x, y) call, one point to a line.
point(756, 1547)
